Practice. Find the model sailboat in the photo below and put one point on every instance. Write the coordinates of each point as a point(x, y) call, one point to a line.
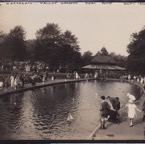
point(69, 118)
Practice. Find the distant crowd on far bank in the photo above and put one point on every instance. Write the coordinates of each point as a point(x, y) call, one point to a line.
point(40, 73)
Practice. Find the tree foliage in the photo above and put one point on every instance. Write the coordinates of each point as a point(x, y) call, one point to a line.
point(2, 49)
point(60, 49)
point(120, 60)
point(69, 49)
point(15, 44)
point(136, 50)
point(47, 42)
point(30, 49)
point(87, 57)
point(104, 51)
point(56, 48)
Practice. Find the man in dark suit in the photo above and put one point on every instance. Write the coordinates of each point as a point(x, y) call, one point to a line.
point(115, 106)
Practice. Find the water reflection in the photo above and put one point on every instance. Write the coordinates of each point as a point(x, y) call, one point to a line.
point(42, 113)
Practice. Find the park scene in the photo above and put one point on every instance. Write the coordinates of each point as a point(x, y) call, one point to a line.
point(53, 88)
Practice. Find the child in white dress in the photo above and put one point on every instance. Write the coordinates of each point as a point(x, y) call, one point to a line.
point(132, 108)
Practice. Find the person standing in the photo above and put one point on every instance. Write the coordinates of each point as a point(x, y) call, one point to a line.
point(43, 79)
point(21, 77)
point(15, 82)
point(12, 78)
point(104, 111)
point(6, 83)
point(77, 75)
point(46, 75)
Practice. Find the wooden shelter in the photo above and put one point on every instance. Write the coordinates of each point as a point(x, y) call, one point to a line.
point(103, 62)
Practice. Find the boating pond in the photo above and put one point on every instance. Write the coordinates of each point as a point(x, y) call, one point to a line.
point(41, 114)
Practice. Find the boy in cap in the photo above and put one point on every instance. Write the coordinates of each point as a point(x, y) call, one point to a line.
point(104, 111)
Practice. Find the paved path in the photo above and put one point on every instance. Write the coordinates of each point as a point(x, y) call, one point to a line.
point(4, 91)
point(28, 86)
point(123, 131)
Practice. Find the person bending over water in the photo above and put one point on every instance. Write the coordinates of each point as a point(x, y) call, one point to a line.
point(114, 107)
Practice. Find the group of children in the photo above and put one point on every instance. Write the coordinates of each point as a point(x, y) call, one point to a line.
point(131, 110)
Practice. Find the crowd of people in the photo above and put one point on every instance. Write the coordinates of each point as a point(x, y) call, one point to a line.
point(39, 73)
point(110, 106)
point(136, 78)
point(18, 80)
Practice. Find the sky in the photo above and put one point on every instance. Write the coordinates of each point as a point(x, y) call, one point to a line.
point(95, 25)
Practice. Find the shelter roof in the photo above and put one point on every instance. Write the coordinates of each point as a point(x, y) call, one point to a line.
point(103, 59)
point(109, 67)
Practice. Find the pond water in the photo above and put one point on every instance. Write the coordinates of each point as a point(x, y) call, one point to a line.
point(41, 114)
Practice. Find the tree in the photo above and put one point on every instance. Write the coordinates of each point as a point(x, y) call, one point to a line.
point(87, 57)
point(47, 43)
point(75, 63)
point(2, 37)
point(136, 50)
point(2, 48)
point(15, 44)
point(136, 62)
point(104, 51)
point(120, 60)
point(69, 49)
point(56, 48)
point(137, 42)
point(30, 50)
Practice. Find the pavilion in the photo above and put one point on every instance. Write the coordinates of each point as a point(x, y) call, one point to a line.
point(103, 61)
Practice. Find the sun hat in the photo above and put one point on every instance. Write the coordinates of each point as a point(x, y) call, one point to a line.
point(131, 96)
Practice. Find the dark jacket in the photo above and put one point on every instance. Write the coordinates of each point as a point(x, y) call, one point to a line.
point(117, 105)
point(105, 107)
